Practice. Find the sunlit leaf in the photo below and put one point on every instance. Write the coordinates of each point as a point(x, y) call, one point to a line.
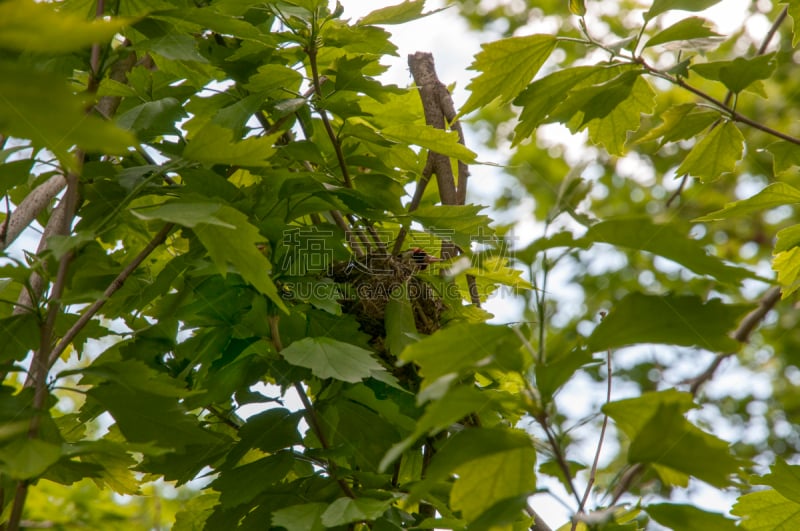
point(716, 154)
point(347, 510)
point(787, 265)
point(214, 144)
point(25, 458)
point(577, 7)
point(681, 122)
point(397, 14)
point(773, 195)
point(443, 142)
point(784, 478)
point(505, 67)
point(767, 510)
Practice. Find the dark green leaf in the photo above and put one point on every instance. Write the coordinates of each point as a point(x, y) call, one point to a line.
point(784, 478)
point(304, 517)
point(785, 156)
point(660, 6)
point(153, 118)
point(242, 484)
point(688, 518)
point(668, 319)
point(738, 74)
point(667, 241)
point(347, 510)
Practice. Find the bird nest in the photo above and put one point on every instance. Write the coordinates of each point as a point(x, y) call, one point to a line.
point(372, 281)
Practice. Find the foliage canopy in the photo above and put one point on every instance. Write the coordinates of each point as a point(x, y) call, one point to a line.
point(251, 305)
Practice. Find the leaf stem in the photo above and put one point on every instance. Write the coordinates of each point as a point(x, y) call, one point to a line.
point(593, 472)
point(310, 412)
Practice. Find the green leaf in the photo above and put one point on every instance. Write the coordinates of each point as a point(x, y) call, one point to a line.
point(664, 240)
point(464, 346)
point(787, 265)
point(214, 144)
point(611, 130)
point(25, 458)
point(767, 510)
point(275, 80)
point(659, 434)
point(505, 67)
point(145, 417)
point(773, 195)
point(439, 415)
point(443, 142)
point(243, 483)
point(401, 329)
point(457, 223)
point(740, 73)
point(328, 358)
point(227, 235)
point(59, 125)
point(716, 154)
point(347, 510)
point(577, 7)
point(688, 518)
point(793, 8)
point(39, 27)
point(557, 371)
point(661, 6)
point(304, 517)
point(397, 14)
point(670, 440)
point(686, 31)
point(787, 238)
point(632, 414)
point(784, 478)
point(785, 156)
point(670, 320)
point(153, 118)
point(195, 512)
point(543, 96)
point(470, 445)
point(681, 122)
point(484, 482)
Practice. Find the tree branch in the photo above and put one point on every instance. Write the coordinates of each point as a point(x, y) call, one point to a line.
point(310, 412)
point(112, 288)
point(29, 209)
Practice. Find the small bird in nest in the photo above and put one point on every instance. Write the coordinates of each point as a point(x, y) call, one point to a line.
point(419, 257)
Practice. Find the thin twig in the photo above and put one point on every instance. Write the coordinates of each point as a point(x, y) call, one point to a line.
point(593, 471)
point(115, 285)
point(310, 412)
point(561, 459)
point(742, 334)
point(337, 147)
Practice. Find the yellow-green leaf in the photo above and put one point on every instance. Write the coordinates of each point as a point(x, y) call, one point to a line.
point(716, 154)
point(506, 66)
point(787, 265)
point(774, 195)
point(214, 144)
point(767, 510)
point(31, 26)
point(577, 7)
point(443, 142)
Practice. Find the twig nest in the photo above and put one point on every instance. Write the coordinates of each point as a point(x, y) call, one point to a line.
point(372, 281)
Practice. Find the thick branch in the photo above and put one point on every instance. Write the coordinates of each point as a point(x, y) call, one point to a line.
point(29, 209)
